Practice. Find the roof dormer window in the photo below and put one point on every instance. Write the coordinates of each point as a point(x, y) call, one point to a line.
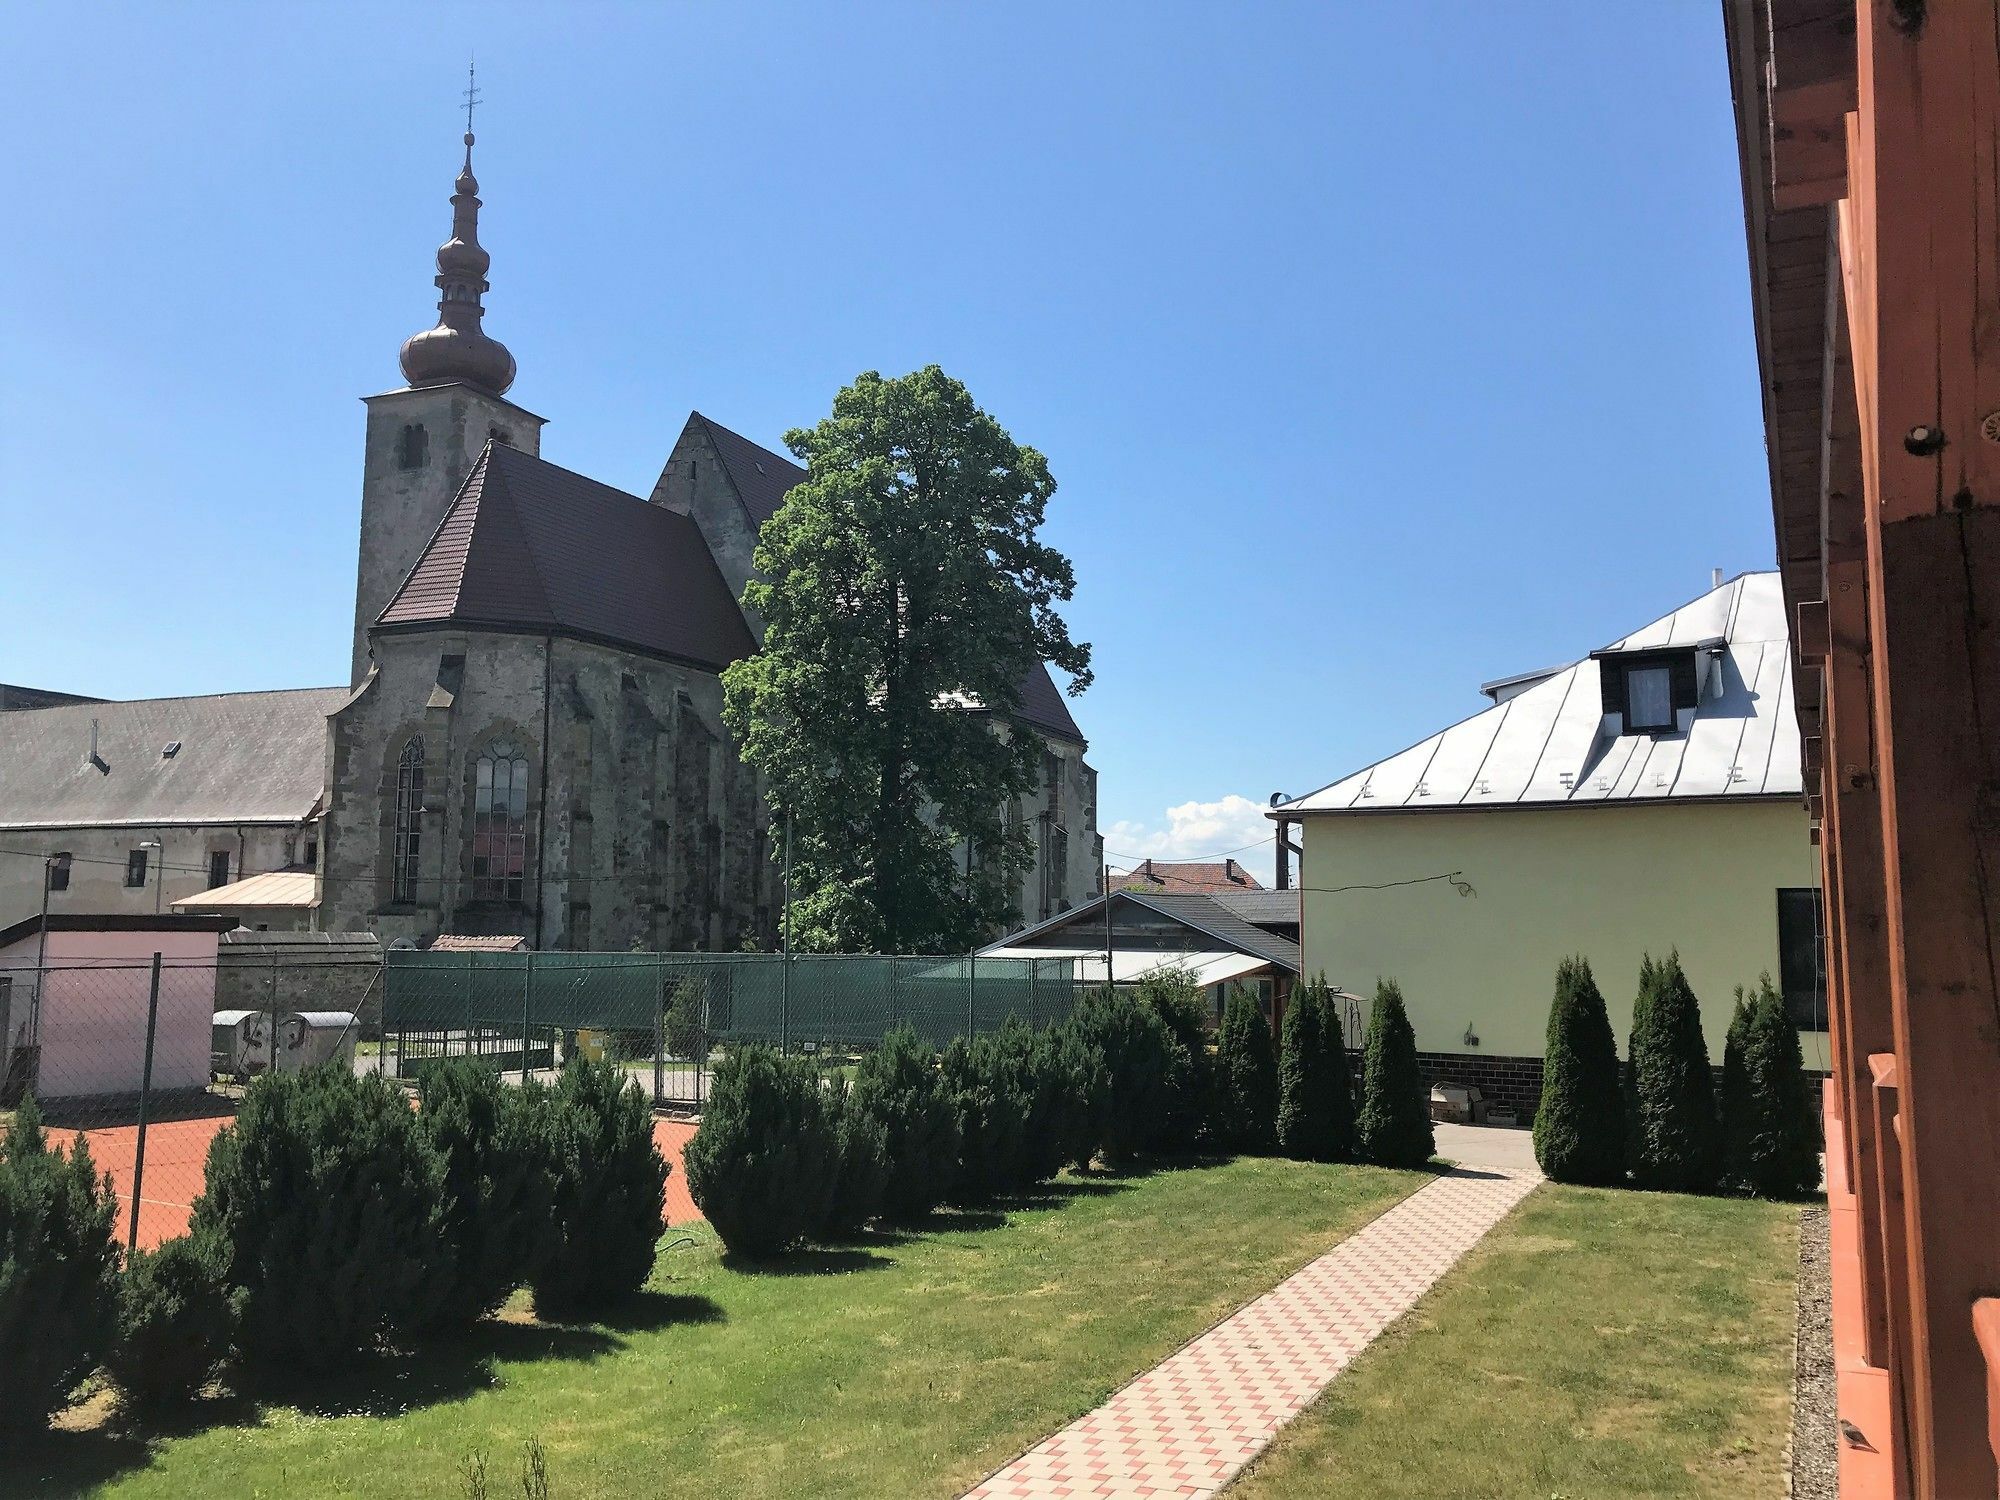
point(1646, 691)
point(1649, 698)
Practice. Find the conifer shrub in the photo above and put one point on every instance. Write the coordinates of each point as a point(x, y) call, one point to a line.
point(1393, 1126)
point(1315, 1089)
point(1072, 1093)
point(1189, 1095)
point(1246, 1078)
point(175, 1320)
point(763, 1166)
point(325, 1203)
point(610, 1186)
point(1580, 1121)
point(1135, 1053)
point(1676, 1140)
point(977, 1114)
point(860, 1163)
point(1776, 1146)
point(1732, 1104)
point(58, 1270)
point(1013, 1059)
point(498, 1186)
point(899, 1087)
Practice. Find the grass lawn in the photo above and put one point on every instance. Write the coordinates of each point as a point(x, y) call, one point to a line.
point(908, 1365)
point(1596, 1344)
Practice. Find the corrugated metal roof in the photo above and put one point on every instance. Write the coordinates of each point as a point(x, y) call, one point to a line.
point(273, 888)
point(241, 758)
point(529, 545)
point(1554, 745)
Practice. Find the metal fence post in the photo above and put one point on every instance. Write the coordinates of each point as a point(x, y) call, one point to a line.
point(971, 995)
point(527, 1004)
point(145, 1098)
point(659, 1029)
point(273, 1031)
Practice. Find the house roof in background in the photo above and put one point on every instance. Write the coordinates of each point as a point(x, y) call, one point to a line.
point(1187, 875)
point(1549, 746)
point(110, 922)
point(531, 546)
point(1203, 915)
point(1260, 908)
point(763, 478)
point(241, 758)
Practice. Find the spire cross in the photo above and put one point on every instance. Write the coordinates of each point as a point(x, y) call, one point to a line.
point(471, 93)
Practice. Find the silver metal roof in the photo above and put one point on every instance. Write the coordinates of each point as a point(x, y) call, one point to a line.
point(226, 758)
point(1553, 745)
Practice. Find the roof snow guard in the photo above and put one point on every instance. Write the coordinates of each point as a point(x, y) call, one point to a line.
point(1555, 745)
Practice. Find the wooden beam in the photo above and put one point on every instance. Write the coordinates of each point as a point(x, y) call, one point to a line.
point(1921, 257)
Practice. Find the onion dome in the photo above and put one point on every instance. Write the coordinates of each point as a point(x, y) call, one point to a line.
point(458, 349)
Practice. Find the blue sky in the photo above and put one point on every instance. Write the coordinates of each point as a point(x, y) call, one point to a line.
point(1377, 350)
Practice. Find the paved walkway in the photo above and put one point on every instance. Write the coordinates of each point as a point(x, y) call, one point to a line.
point(1185, 1427)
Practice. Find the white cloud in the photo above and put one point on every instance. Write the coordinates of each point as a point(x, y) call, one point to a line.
point(1197, 830)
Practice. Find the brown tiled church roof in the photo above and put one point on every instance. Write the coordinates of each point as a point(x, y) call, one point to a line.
point(763, 478)
point(531, 546)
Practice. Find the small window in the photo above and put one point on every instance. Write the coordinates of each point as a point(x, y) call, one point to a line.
point(59, 871)
point(218, 868)
point(311, 857)
point(1802, 956)
point(500, 435)
point(135, 869)
point(1649, 698)
point(412, 446)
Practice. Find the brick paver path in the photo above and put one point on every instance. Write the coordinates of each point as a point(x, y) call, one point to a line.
point(1185, 1427)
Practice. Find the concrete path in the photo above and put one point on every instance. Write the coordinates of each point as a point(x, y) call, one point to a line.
point(1185, 1427)
point(1507, 1148)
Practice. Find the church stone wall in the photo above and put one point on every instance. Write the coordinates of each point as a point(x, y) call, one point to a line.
point(642, 829)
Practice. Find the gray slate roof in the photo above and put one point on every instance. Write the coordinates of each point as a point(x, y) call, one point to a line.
point(1553, 745)
point(243, 758)
point(1260, 908)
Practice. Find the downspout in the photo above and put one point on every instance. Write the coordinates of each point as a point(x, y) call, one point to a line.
point(542, 790)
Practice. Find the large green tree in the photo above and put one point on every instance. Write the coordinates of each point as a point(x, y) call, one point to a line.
point(906, 595)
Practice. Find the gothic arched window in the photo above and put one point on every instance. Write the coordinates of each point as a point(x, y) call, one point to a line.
point(412, 446)
point(409, 820)
point(499, 824)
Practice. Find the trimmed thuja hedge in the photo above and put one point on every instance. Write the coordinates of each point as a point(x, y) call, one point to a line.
point(1676, 1141)
point(1662, 1120)
point(1393, 1125)
point(1315, 1088)
point(1771, 1135)
point(1580, 1122)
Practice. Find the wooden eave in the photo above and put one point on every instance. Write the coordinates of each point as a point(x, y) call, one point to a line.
point(1792, 72)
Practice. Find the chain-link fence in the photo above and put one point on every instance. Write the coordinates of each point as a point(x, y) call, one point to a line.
point(148, 1059)
point(665, 1016)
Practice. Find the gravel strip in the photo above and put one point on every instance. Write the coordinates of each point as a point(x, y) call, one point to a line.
point(1815, 1455)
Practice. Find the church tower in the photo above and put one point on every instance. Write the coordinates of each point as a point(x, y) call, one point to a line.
point(422, 439)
